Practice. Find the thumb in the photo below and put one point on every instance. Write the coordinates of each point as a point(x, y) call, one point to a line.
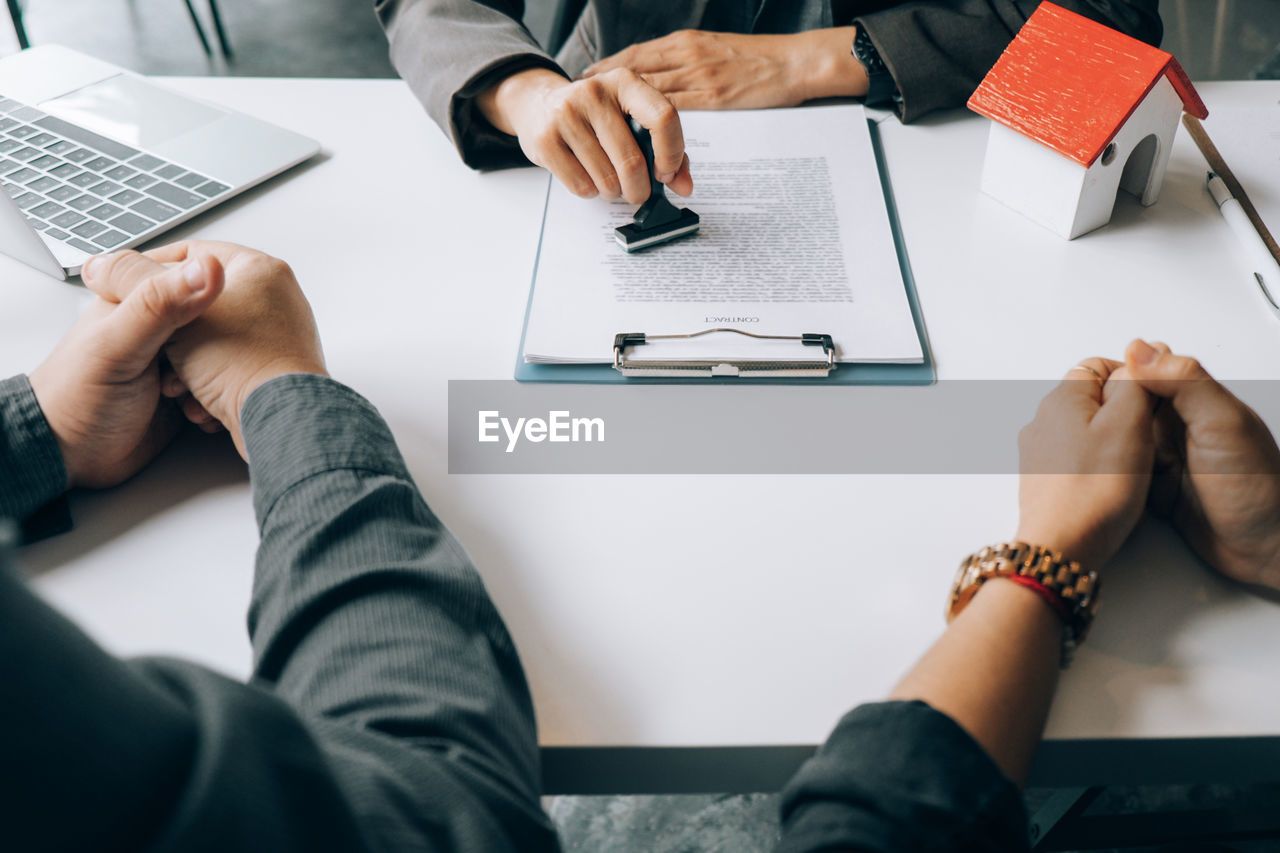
point(1127, 405)
point(1194, 394)
point(652, 109)
point(165, 299)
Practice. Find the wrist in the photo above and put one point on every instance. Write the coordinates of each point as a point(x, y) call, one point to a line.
point(282, 367)
point(827, 68)
point(1069, 590)
point(1070, 546)
point(1008, 594)
point(502, 103)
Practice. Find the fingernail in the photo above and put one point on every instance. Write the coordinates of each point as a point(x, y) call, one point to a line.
point(1142, 352)
point(84, 268)
point(193, 275)
point(666, 177)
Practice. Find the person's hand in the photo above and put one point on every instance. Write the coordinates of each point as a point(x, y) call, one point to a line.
point(578, 131)
point(100, 387)
point(260, 327)
point(1221, 488)
point(700, 70)
point(1086, 462)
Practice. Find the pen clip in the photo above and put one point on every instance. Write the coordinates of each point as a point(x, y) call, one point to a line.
point(1262, 285)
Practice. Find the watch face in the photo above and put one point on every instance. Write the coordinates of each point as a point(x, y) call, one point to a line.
point(865, 50)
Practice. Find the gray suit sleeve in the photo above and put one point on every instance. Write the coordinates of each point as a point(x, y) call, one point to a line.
point(368, 615)
point(449, 51)
point(939, 50)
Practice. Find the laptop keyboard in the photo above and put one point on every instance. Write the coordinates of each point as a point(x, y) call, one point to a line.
point(86, 190)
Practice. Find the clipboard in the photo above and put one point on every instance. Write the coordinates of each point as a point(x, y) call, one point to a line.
point(851, 373)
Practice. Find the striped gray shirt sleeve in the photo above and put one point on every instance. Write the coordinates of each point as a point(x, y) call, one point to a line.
point(33, 477)
point(368, 614)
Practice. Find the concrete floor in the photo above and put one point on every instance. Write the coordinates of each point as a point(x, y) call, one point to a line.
point(1237, 39)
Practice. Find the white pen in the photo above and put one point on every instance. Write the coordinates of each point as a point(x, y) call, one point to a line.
point(1265, 269)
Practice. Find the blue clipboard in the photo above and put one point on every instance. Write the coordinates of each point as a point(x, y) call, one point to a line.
point(921, 373)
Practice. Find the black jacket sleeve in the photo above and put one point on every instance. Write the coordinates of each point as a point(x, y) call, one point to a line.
point(938, 51)
point(900, 776)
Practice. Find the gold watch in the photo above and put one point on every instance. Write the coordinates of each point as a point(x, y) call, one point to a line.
point(1074, 590)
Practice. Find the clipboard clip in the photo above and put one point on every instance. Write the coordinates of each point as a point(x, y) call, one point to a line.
point(745, 368)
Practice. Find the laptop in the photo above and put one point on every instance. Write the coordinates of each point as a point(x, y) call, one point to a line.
point(95, 158)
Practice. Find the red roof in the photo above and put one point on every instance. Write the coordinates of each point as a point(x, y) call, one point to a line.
point(1069, 82)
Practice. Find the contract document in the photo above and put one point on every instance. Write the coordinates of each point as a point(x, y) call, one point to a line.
point(795, 238)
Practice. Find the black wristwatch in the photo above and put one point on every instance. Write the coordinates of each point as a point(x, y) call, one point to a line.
point(880, 86)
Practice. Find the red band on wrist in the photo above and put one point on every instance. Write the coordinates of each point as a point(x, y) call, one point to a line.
point(1051, 597)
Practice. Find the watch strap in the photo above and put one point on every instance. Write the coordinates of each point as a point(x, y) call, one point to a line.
point(880, 86)
point(1073, 586)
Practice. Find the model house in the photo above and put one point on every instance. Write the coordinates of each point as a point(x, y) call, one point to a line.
point(1079, 111)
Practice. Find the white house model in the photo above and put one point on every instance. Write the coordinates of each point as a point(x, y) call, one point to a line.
point(1079, 111)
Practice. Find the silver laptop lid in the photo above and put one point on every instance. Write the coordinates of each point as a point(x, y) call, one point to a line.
point(97, 158)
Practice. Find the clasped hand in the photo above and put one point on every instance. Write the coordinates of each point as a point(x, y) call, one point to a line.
point(700, 70)
point(192, 328)
point(1154, 430)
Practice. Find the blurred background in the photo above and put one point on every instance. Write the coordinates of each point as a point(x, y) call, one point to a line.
point(1213, 39)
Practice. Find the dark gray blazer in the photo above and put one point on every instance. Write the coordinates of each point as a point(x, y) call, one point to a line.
point(448, 51)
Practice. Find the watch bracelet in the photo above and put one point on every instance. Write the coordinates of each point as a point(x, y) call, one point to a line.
point(881, 87)
point(1076, 588)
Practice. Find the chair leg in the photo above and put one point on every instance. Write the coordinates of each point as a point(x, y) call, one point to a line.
point(195, 20)
point(217, 28)
point(15, 12)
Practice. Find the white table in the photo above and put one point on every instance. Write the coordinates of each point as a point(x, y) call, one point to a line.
point(702, 629)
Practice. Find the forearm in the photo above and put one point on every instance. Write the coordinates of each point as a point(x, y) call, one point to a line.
point(994, 672)
point(825, 65)
point(500, 103)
